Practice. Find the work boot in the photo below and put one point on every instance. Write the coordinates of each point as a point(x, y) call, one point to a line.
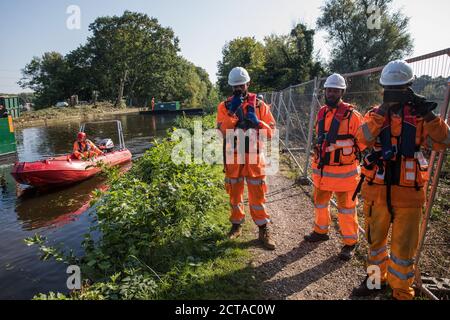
point(266, 238)
point(316, 237)
point(235, 232)
point(364, 291)
point(347, 253)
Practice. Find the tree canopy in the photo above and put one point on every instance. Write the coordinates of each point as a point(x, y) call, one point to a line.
point(362, 37)
point(130, 56)
point(278, 62)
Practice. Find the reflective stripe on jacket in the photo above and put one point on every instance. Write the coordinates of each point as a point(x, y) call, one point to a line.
point(341, 172)
point(412, 175)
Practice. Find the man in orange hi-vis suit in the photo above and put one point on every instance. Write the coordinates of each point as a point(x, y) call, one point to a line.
point(394, 175)
point(335, 167)
point(245, 113)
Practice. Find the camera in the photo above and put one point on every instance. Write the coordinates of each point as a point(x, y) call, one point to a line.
point(408, 96)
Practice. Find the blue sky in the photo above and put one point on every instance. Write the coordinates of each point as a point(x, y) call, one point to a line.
point(30, 28)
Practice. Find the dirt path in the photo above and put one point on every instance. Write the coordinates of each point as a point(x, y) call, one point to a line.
point(298, 270)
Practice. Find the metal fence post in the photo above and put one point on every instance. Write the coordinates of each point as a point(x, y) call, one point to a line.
point(294, 113)
point(288, 127)
point(432, 195)
point(312, 117)
point(280, 96)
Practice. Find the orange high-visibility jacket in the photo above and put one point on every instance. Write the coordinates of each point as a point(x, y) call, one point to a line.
point(84, 148)
point(341, 174)
point(409, 193)
point(227, 121)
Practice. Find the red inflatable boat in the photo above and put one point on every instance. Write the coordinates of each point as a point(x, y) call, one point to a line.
point(66, 170)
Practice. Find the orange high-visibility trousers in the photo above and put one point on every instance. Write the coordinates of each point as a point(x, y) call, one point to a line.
point(347, 215)
point(398, 269)
point(257, 189)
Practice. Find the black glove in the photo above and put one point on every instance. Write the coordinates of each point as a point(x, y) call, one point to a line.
point(421, 105)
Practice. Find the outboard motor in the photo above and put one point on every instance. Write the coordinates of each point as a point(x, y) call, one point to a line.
point(106, 145)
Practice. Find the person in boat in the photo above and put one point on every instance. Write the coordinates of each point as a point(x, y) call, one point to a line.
point(85, 148)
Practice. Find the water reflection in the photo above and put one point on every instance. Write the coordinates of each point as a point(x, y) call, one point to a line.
point(57, 214)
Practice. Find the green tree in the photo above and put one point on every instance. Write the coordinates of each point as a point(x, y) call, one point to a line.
point(241, 52)
point(211, 100)
point(355, 46)
point(129, 56)
point(188, 87)
point(126, 49)
point(361, 42)
point(46, 77)
point(289, 59)
point(282, 60)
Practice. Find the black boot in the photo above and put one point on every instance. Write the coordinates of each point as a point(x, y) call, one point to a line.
point(317, 237)
point(347, 253)
point(364, 291)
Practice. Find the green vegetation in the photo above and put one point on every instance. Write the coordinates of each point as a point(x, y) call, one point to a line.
point(130, 56)
point(208, 122)
point(346, 23)
point(163, 236)
point(284, 60)
point(277, 63)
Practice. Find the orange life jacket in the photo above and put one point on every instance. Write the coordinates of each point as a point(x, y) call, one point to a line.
point(243, 123)
point(396, 158)
point(252, 100)
point(84, 147)
point(331, 147)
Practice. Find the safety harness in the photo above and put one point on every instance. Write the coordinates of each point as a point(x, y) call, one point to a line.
point(243, 124)
point(327, 139)
point(388, 158)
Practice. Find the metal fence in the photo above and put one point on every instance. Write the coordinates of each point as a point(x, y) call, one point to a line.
point(295, 109)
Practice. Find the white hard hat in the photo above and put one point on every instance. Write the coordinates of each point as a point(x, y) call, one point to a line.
point(397, 73)
point(336, 81)
point(238, 76)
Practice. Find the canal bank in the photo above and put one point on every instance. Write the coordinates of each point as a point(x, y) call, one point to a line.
point(163, 231)
point(54, 116)
point(55, 214)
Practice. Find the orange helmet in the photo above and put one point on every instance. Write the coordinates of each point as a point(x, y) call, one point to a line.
point(81, 136)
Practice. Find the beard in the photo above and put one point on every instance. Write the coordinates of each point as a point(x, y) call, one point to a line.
point(332, 103)
point(240, 93)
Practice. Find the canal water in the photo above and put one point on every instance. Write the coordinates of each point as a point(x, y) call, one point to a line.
point(60, 215)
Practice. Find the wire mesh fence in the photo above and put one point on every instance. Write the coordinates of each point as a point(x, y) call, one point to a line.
point(295, 109)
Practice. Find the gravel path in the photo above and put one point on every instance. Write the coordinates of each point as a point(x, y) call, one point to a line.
point(298, 270)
